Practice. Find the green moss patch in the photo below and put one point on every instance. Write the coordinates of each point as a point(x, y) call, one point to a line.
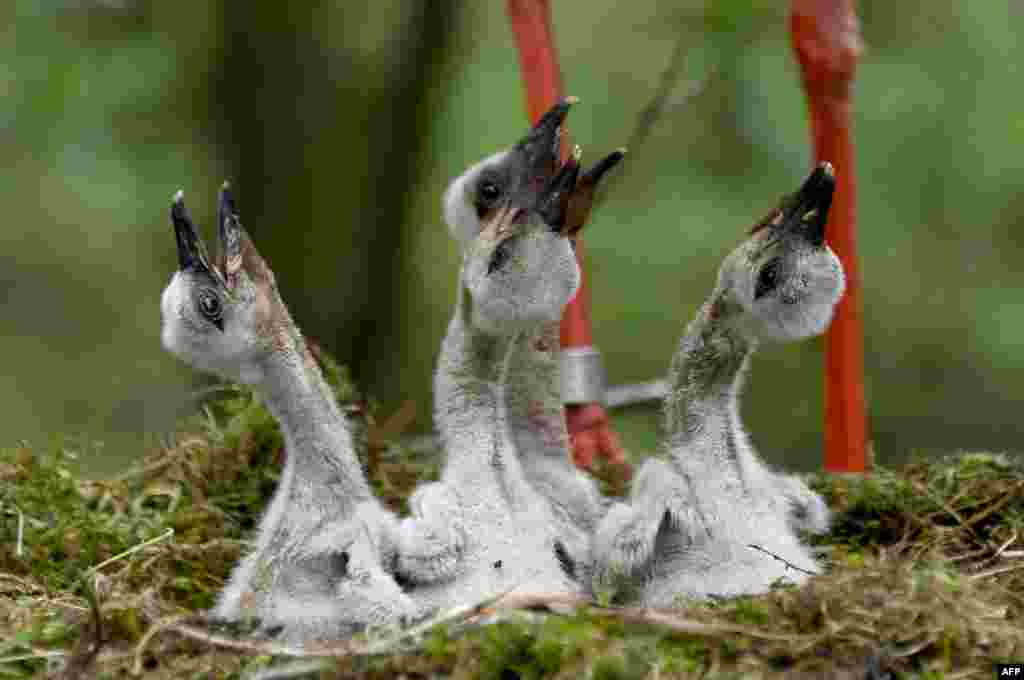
point(925, 576)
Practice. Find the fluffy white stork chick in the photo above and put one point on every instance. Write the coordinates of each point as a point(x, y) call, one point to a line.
point(316, 569)
point(697, 510)
point(484, 529)
point(533, 400)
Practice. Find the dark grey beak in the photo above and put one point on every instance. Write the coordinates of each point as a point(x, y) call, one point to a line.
point(807, 210)
point(553, 203)
point(229, 232)
point(582, 199)
point(191, 254)
point(540, 145)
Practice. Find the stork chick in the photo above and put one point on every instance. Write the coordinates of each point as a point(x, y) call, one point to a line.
point(534, 407)
point(484, 529)
point(316, 569)
point(697, 511)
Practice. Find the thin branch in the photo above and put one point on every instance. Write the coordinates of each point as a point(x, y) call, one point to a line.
point(295, 669)
point(156, 628)
point(132, 550)
point(945, 506)
point(1002, 548)
point(783, 560)
point(20, 547)
point(658, 104)
point(32, 657)
point(185, 625)
point(667, 619)
point(998, 505)
point(87, 647)
point(21, 582)
point(995, 571)
point(661, 102)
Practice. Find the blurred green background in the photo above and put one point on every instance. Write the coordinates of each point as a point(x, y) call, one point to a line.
point(341, 126)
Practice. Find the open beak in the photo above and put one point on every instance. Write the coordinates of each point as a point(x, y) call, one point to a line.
point(191, 253)
point(558, 192)
point(541, 187)
point(807, 212)
point(540, 145)
point(554, 201)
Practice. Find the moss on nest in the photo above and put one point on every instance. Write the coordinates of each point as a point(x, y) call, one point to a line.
point(926, 574)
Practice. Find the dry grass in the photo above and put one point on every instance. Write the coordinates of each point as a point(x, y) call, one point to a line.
point(105, 578)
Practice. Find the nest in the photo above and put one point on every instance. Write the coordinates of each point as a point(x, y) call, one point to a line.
point(926, 574)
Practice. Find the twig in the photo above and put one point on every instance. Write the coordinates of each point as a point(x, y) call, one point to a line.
point(659, 102)
point(995, 571)
point(456, 614)
point(945, 506)
point(968, 555)
point(86, 650)
point(132, 550)
point(1007, 497)
point(683, 626)
point(505, 601)
point(295, 669)
point(156, 628)
point(332, 649)
point(667, 619)
point(31, 657)
point(913, 649)
point(19, 548)
point(182, 626)
point(542, 600)
point(783, 560)
point(21, 582)
point(1002, 549)
point(650, 114)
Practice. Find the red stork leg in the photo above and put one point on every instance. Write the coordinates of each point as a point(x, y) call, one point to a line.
point(589, 430)
point(826, 38)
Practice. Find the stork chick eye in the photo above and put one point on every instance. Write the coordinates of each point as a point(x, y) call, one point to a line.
point(767, 279)
point(489, 192)
point(209, 306)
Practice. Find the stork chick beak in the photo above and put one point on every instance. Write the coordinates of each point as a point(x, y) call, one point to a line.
point(807, 210)
point(554, 201)
point(582, 199)
point(229, 231)
point(191, 253)
point(540, 146)
point(538, 188)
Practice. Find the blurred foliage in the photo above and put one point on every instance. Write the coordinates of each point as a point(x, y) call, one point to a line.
point(343, 124)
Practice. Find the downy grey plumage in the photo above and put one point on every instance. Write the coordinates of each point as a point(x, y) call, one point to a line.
point(536, 412)
point(316, 569)
point(484, 528)
point(696, 511)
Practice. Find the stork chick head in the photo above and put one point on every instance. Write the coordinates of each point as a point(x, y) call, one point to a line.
point(784, 279)
point(223, 317)
point(513, 215)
